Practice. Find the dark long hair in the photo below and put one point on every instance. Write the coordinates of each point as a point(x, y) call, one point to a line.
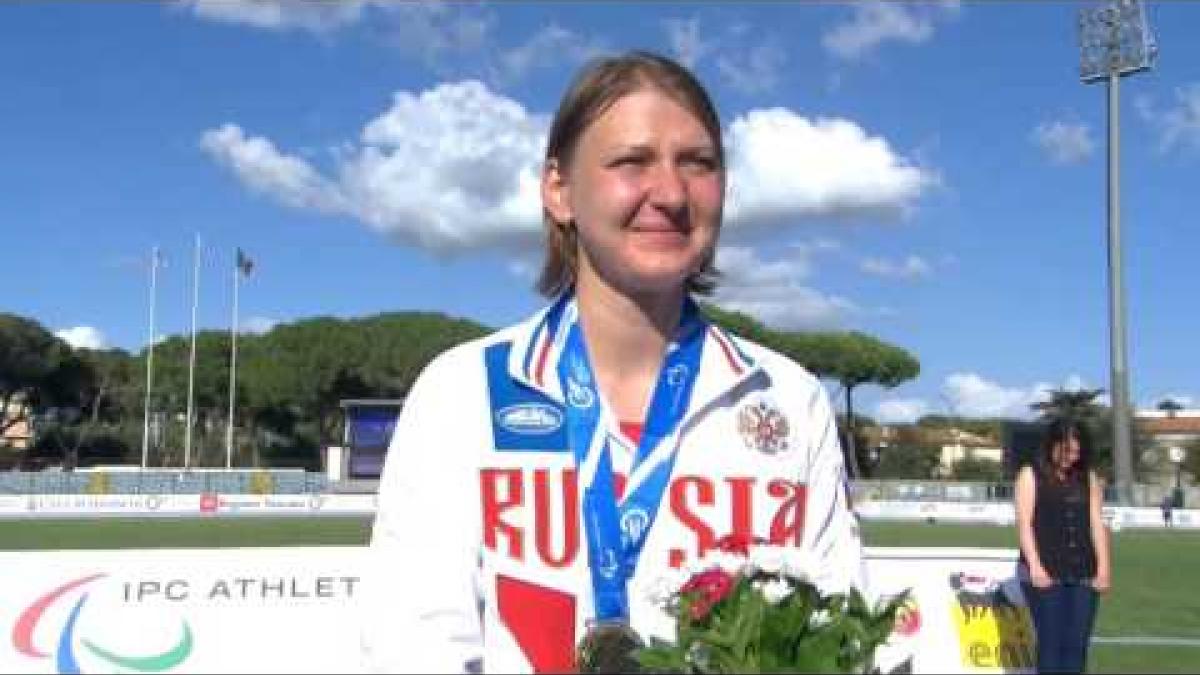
point(1060, 430)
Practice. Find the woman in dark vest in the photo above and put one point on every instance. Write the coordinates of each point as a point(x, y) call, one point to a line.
point(1064, 546)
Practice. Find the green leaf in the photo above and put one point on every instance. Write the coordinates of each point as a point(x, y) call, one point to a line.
point(745, 633)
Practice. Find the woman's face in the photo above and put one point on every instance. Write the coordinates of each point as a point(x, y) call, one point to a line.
point(645, 189)
point(1065, 452)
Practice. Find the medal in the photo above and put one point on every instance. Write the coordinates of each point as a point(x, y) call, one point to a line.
point(609, 647)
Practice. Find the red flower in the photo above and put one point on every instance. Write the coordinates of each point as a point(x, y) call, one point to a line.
point(707, 589)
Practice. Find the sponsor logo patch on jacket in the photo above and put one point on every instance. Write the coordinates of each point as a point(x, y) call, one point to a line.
point(530, 418)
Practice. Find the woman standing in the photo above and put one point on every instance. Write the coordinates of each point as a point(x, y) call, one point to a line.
point(540, 480)
point(1064, 546)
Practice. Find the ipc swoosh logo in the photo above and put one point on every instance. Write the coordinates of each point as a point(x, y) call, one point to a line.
point(64, 654)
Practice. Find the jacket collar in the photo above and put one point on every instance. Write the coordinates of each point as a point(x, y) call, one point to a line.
point(538, 344)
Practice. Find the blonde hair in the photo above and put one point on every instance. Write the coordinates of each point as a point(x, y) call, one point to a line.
point(599, 85)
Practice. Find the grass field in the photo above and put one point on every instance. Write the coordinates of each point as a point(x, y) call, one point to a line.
point(1154, 570)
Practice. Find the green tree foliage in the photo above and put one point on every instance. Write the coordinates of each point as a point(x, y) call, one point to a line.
point(863, 359)
point(1169, 406)
point(290, 381)
point(295, 376)
point(909, 462)
point(34, 369)
point(977, 469)
point(986, 427)
point(742, 325)
point(1070, 404)
point(97, 418)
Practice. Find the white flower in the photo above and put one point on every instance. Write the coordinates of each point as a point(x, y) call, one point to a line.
point(769, 559)
point(775, 590)
point(662, 588)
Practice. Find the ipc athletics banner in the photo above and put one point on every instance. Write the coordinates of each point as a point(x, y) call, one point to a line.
point(293, 610)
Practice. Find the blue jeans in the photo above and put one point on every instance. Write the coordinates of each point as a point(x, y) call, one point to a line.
point(1063, 616)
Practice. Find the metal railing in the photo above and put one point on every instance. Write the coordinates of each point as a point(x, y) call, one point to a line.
point(1144, 494)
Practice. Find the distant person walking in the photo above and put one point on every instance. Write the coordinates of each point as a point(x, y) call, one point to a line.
point(1065, 560)
point(1168, 505)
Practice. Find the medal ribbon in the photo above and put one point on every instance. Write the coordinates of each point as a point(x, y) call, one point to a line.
point(616, 533)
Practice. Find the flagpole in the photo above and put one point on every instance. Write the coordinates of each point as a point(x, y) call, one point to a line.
point(187, 442)
point(150, 358)
point(237, 273)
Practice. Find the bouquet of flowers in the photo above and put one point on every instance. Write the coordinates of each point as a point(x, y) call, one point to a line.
point(752, 608)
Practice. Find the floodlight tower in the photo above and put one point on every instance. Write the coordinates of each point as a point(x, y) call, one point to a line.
point(1115, 41)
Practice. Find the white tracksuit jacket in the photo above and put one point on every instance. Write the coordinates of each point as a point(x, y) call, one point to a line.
point(478, 559)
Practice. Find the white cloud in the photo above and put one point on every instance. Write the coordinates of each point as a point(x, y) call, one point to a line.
point(437, 32)
point(454, 167)
point(971, 395)
point(83, 337)
point(451, 168)
point(912, 267)
point(457, 167)
point(825, 244)
point(683, 36)
point(549, 47)
point(264, 169)
point(755, 71)
point(318, 17)
point(445, 37)
point(1178, 126)
point(746, 59)
point(774, 292)
point(783, 168)
point(1064, 142)
point(257, 325)
point(901, 410)
point(877, 22)
point(433, 32)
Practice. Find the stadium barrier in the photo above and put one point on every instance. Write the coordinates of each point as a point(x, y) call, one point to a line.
point(999, 513)
point(131, 480)
point(294, 610)
point(359, 504)
point(1144, 494)
point(184, 505)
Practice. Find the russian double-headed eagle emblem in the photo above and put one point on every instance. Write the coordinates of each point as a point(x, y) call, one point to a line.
point(763, 427)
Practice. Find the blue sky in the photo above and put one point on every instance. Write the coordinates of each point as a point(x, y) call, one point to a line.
point(931, 173)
